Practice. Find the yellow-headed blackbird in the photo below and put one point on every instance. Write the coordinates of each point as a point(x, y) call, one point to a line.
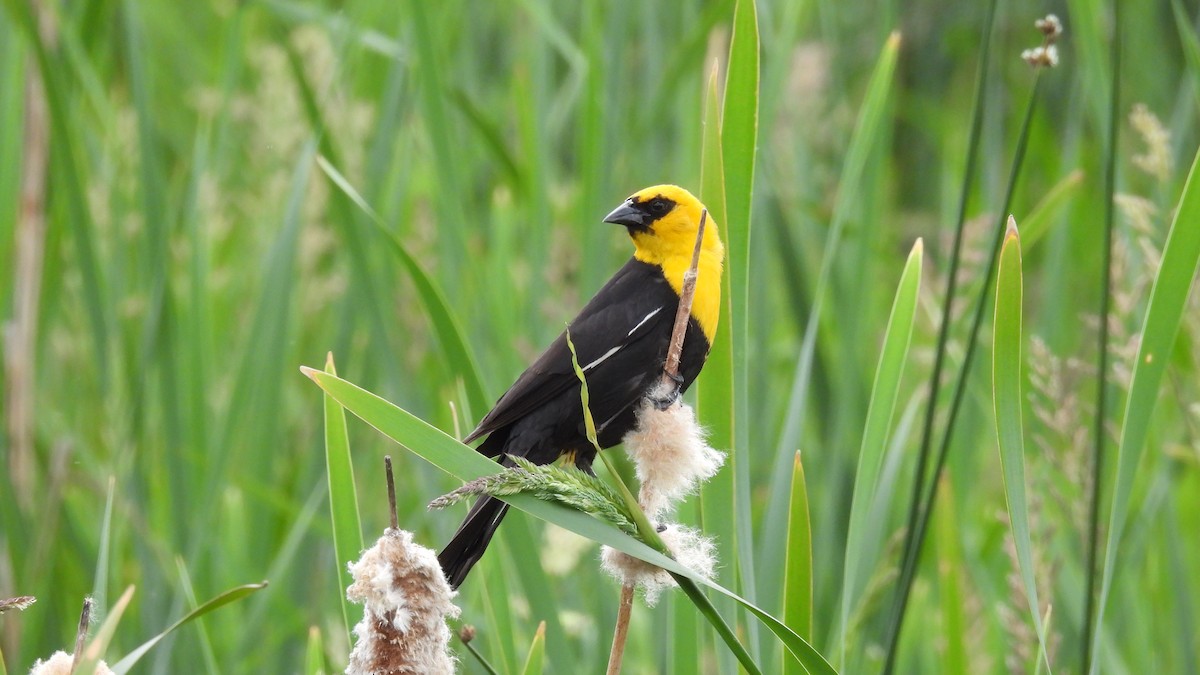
point(621, 337)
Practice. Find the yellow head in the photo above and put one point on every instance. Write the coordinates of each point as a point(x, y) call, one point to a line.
point(663, 220)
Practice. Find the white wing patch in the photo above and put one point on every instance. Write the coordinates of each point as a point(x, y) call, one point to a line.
point(643, 321)
point(616, 349)
point(600, 360)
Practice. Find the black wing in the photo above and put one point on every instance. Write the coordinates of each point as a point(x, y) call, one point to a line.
point(617, 336)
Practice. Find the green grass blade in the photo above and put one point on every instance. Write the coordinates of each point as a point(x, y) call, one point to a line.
point(714, 618)
point(450, 337)
point(460, 461)
point(252, 397)
point(922, 500)
point(430, 55)
point(1100, 417)
point(314, 653)
point(365, 281)
point(739, 143)
point(155, 214)
point(951, 568)
point(100, 582)
point(868, 131)
point(1189, 40)
point(189, 594)
point(1168, 299)
point(686, 638)
point(232, 595)
point(715, 385)
point(523, 542)
point(343, 500)
point(1035, 225)
point(739, 130)
point(862, 551)
point(1007, 373)
point(537, 652)
point(503, 634)
point(798, 576)
point(69, 177)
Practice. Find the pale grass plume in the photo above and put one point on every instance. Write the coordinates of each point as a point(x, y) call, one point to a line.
point(1014, 611)
point(1061, 430)
point(1156, 160)
point(1061, 470)
point(62, 663)
point(407, 601)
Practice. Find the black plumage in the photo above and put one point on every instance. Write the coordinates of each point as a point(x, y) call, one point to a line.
point(621, 337)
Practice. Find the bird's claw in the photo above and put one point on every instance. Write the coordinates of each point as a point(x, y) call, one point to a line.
point(664, 401)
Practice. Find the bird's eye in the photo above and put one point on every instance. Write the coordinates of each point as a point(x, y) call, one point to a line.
point(659, 207)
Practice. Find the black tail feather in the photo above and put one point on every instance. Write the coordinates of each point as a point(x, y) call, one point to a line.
point(469, 543)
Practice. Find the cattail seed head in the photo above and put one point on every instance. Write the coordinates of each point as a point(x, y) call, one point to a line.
point(407, 599)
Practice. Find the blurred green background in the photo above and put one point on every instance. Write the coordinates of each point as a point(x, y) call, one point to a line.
point(179, 253)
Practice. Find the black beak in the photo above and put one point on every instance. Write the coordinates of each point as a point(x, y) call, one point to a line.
point(630, 216)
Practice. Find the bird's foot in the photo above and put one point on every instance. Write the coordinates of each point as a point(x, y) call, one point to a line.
point(664, 396)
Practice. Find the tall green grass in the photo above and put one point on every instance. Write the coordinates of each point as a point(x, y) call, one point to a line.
point(209, 165)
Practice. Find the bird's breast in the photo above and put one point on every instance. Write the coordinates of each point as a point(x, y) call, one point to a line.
point(706, 303)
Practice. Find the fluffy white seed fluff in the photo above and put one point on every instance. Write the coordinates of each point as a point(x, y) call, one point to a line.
point(672, 458)
point(690, 548)
point(668, 447)
point(406, 601)
point(60, 663)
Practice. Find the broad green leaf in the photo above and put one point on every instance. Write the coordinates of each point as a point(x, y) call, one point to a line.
point(460, 461)
point(537, 652)
point(343, 500)
point(798, 575)
point(715, 384)
point(1168, 299)
point(739, 146)
point(862, 551)
point(1006, 391)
